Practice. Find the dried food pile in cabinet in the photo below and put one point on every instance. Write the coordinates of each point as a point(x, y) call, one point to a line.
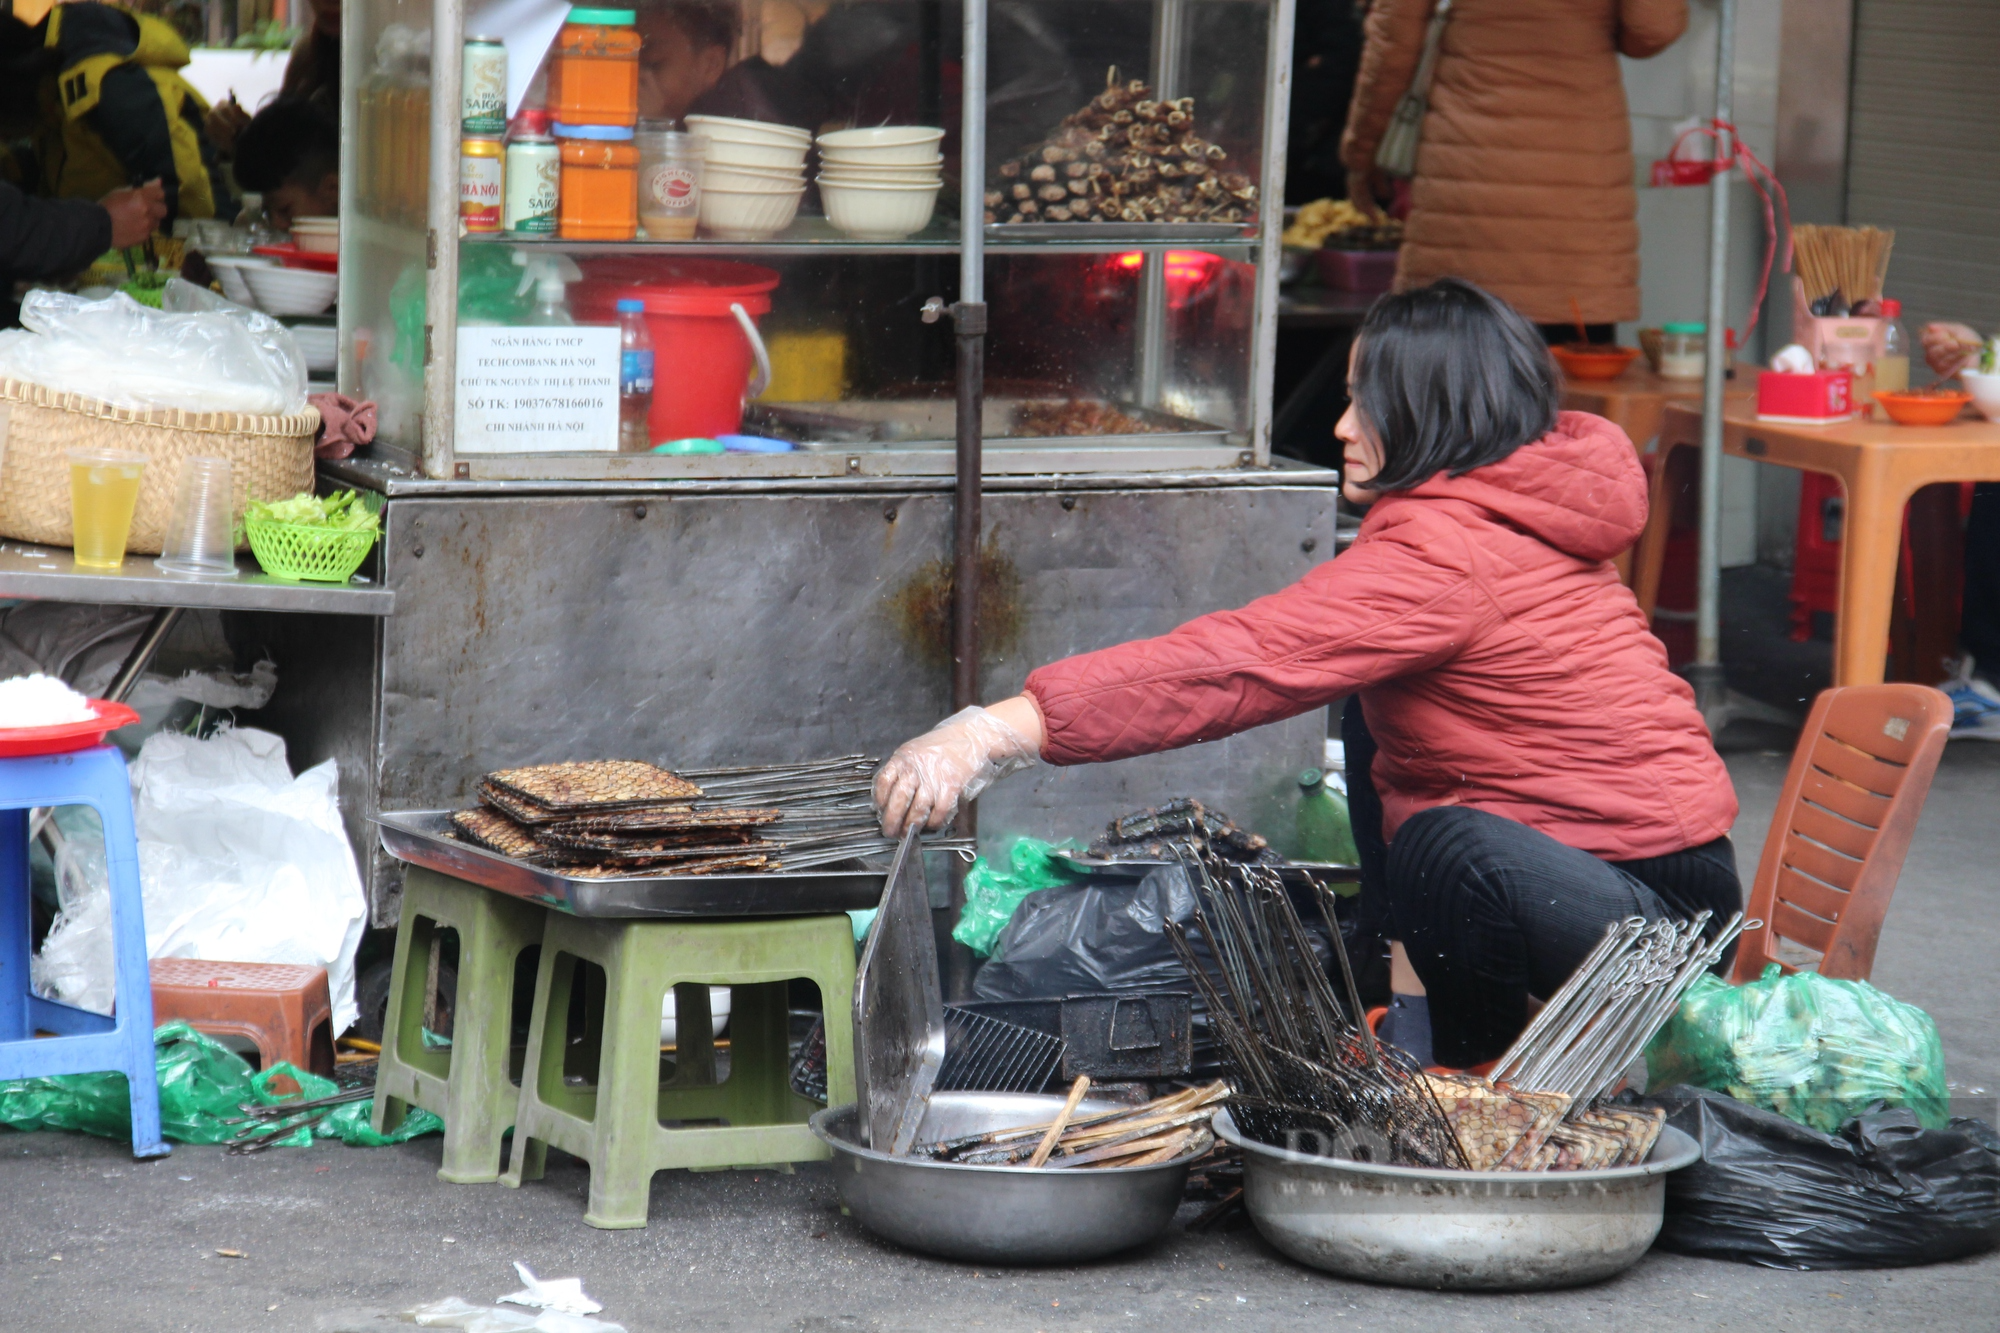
point(1125, 157)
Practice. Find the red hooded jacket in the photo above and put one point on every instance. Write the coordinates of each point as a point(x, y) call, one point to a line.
point(1500, 663)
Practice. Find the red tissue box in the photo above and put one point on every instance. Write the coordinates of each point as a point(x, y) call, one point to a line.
point(1817, 399)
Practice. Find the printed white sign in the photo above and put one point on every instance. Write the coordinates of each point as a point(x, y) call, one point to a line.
point(525, 390)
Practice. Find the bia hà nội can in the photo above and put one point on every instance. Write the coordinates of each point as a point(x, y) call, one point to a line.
point(480, 188)
point(483, 88)
point(534, 174)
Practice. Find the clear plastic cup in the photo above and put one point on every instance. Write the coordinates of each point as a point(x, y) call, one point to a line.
point(103, 491)
point(670, 170)
point(201, 535)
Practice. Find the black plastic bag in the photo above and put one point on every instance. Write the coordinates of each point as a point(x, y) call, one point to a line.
point(1882, 1193)
point(1108, 936)
point(1101, 936)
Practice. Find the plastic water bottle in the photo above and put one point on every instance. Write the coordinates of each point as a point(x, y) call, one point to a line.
point(635, 377)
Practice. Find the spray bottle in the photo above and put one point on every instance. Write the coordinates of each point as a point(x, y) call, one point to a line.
point(549, 276)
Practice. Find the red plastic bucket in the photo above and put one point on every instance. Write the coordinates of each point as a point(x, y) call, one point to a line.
point(703, 352)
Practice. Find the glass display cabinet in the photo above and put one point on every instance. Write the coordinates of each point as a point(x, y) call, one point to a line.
point(1111, 172)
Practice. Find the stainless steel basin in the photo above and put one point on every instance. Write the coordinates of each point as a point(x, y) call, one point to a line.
point(997, 1214)
point(1493, 1230)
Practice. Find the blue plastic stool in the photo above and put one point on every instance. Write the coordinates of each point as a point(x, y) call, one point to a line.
point(83, 1042)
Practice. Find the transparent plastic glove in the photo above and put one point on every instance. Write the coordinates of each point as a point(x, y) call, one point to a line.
point(924, 782)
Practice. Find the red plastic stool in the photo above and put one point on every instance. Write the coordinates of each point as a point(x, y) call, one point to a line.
point(283, 1008)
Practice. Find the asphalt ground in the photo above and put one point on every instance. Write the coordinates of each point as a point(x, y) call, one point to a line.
point(340, 1240)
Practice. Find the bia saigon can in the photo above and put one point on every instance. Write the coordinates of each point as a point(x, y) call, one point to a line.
point(483, 88)
point(534, 173)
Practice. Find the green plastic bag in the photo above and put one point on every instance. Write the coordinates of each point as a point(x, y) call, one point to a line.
point(202, 1084)
point(348, 1123)
point(1816, 1051)
point(992, 895)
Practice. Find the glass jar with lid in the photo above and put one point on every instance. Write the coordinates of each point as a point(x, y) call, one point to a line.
point(1683, 351)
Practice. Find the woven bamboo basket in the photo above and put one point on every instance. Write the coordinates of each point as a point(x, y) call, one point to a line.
point(271, 457)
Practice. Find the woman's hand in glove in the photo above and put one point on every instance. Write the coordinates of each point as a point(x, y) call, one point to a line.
point(927, 778)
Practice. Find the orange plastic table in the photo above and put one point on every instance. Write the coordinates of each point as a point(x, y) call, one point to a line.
point(1880, 465)
point(1636, 402)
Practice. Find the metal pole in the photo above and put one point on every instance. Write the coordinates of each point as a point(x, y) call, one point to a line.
point(141, 656)
point(440, 357)
point(969, 317)
point(1150, 318)
point(1706, 672)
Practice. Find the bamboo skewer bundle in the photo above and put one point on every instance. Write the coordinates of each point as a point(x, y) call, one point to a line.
point(1847, 264)
point(1159, 1131)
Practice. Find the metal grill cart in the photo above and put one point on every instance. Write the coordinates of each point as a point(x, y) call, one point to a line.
point(939, 525)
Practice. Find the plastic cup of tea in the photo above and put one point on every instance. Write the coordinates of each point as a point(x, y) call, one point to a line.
point(670, 170)
point(201, 535)
point(103, 491)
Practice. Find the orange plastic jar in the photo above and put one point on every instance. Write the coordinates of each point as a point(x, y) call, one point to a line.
point(594, 77)
point(600, 183)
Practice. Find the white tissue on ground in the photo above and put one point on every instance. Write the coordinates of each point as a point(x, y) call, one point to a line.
point(560, 1293)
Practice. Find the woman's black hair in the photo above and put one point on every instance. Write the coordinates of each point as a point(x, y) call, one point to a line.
point(1449, 378)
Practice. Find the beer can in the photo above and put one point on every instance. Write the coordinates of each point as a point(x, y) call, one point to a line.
point(479, 185)
point(483, 87)
point(534, 174)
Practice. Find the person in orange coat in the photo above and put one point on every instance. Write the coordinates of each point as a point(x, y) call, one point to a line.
point(1524, 167)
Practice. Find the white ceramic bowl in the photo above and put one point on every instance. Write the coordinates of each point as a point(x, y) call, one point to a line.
point(229, 272)
point(932, 182)
point(857, 157)
point(906, 171)
point(292, 291)
point(749, 131)
point(886, 143)
point(722, 153)
point(878, 212)
point(1985, 391)
point(750, 178)
point(319, 344)
point(317, 235)
point(746, 215)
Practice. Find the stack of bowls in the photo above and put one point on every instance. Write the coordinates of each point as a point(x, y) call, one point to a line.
point(317, 235)
point(880, 184)
point(752, 176)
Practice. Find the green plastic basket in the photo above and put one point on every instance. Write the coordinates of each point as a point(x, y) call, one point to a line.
point(297, 552)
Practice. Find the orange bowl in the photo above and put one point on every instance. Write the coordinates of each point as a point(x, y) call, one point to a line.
point(1593, 362)
point(1923, 409)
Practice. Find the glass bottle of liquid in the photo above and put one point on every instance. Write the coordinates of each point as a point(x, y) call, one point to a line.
point(1892, 372)
point(635, 377)
point(1325, 829)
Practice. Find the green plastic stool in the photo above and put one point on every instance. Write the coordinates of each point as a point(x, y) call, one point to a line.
point(616, 1126)
point(466, 1083)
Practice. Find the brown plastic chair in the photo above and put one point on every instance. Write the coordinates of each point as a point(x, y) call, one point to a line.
point(283, 1008)
point(1842, 827)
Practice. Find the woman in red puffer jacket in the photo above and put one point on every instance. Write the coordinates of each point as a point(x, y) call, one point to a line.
point(1540, 771)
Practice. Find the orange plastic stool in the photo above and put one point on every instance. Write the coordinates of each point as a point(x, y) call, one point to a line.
point(284, 1008)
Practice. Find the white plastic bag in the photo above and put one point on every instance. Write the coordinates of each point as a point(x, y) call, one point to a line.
point(76, 964)
point(242, 862)
point(199, 353)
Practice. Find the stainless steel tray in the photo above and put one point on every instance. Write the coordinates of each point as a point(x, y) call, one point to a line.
point(422, 838)
point(931, 423)
point(1003, 233)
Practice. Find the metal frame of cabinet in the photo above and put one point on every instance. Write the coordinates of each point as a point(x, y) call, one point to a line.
point(436, 245)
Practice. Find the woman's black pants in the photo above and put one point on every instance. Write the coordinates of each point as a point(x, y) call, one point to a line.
point(1491, 911)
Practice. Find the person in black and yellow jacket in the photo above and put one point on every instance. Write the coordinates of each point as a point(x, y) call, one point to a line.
point(115, 110)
